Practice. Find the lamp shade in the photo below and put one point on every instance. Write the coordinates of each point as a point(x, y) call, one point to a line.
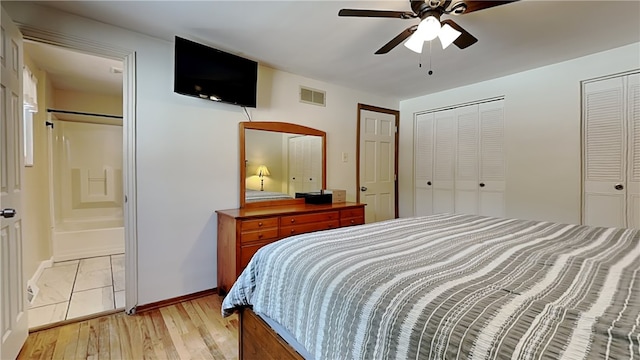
point(429, 28)
point(262, 171)
point(448, 35)
point(414, 43)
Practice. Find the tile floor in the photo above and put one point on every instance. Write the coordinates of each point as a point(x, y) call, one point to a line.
point(75, 288)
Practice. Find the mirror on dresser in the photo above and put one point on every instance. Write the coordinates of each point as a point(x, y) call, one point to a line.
point(279, 159)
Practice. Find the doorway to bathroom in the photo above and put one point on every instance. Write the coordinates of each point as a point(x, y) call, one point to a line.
point(77, 140)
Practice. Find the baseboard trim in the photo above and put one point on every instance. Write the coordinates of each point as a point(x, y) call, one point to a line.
point(175, 300)
point(31, 283)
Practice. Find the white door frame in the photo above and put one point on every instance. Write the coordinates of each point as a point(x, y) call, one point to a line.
point(128, 57)
point(396, 114)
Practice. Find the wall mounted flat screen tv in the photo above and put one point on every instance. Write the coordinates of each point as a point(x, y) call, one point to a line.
point(212, 74)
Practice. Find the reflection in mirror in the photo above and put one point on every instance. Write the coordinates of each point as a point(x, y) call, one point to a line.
point(278, 159)
point(277, 165)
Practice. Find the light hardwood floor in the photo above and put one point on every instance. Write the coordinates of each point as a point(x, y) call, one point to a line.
point(189, 330)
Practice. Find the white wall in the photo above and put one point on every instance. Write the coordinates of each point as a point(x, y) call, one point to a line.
point(542, 144)
point(187, 151)
point(87, 102)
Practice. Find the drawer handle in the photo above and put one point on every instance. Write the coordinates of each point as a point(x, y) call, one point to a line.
point(293, 230)
point(260, 224)
point(353, 221)
point(259, 236)
point(293, 220)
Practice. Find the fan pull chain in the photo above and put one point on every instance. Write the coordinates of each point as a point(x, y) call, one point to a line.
point(430, 71)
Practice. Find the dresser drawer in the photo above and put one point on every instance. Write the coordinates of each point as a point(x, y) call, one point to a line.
point(352, 221)
point(258, 235)
point(352, 213)
point(248, 225)
point(246, 253)
point(309, 218)
point(305, 228)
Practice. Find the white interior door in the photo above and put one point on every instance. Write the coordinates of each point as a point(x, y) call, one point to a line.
point(13, 315)
point(423, 166)
point(377, 165)
point(444, 162)
point(466, 184)
point(492, 185)
point(633, 173)
point(604, 153)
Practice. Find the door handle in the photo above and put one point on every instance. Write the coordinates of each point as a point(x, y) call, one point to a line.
point(363, 188)
point(481, 184)
point(8, 213)
point(619, 187)
point(429, 183)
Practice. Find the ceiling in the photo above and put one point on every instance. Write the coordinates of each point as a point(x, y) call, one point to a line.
point(308, 38)
point(75, 71)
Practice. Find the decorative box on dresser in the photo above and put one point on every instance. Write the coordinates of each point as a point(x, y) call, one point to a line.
point(241, 232)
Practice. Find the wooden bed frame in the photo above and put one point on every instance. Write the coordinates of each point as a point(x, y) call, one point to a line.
point(259, 341)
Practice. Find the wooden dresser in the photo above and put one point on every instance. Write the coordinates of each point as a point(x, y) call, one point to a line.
point(241, 232)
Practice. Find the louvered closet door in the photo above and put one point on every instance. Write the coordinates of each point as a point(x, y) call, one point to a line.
point(423, 157)
point(466, 184)
point(444, 160)
point(296, 153)
point(492, 177)
point(311, 162)
point(633, 159)
point(604, 153)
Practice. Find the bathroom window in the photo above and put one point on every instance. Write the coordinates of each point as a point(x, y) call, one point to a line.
point(28, 136)
point(30, 90)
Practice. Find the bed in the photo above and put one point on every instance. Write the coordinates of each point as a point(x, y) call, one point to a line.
point(444, 286)
point(257, 195)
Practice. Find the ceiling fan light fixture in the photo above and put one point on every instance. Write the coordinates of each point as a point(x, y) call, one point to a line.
point(448, 35)
point(429, 28)
point(414, 43)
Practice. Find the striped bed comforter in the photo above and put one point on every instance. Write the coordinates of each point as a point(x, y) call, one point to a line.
point(257, 195)
point(452, 286)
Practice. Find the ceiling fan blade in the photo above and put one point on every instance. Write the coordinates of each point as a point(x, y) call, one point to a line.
point(397, 40)
point(465, 39)
point(480, 5)
point(376, 13)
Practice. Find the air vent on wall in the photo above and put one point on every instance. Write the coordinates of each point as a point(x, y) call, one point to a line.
point(312, 96)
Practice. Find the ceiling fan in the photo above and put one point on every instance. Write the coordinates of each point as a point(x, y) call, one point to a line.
point(430, 26)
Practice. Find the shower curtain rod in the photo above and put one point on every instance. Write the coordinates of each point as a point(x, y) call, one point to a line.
point(83, 113)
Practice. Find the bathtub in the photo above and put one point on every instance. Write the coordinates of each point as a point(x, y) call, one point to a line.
point(83, 239)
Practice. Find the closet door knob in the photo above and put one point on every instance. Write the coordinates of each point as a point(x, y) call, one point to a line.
point(429, 183)
point(619, 187)
point(363, 188)
point(481, 184)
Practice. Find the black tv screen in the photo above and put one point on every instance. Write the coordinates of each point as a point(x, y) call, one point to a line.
point(212, 74)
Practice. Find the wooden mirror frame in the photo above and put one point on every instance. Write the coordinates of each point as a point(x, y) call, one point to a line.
point(280, 127)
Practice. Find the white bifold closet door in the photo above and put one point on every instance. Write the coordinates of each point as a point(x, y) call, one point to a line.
point(444, 162)
point(305, 164)
point(459, 160)
point(423, 164)
point(611, 152)
point(492, 174)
